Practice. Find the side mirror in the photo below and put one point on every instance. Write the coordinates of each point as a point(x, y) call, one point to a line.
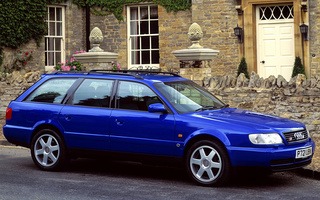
point(157, 107)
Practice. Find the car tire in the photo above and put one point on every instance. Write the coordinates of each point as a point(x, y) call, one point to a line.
point(48, 150)
point(207, 163)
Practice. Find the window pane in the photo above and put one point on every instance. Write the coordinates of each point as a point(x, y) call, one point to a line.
point(50, 44)
point(154, 27)
point(144, 12)
point(145, 57)
point(46, 58)
point(276, 12)
point(134, 27)
point(93, 92)
point(52, 14)
point(144, 27)
point(135, 96)
point(133, 13)
point(59, 14)
point(153, 12)
point(135, 57)
point(52, 28)
point(52, 91)
point(145, 42)
point(58, 58)
point(59, 29)
point(135, 43)
point(155, 42)
point(58, 44)
point(155, 57)
point(51, 58)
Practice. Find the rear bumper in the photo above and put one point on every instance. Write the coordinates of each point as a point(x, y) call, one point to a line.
point(273, 158)
point(17, 135)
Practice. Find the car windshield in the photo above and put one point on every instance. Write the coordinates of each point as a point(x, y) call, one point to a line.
point(187, 97)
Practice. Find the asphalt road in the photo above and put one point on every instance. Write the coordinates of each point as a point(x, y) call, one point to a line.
point(93, 179)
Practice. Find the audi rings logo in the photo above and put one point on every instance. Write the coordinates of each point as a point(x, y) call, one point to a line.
point(299, 135)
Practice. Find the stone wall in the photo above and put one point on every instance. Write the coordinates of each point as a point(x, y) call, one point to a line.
point(298, 99)
point(314, 36)
point(13, 86)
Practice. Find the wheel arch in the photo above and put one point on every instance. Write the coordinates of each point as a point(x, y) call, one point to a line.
point(47, 126)
point(222, 140)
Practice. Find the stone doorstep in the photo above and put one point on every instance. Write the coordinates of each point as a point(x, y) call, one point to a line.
point(305, 171)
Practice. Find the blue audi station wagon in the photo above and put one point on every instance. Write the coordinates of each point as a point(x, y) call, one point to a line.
point(143, 114)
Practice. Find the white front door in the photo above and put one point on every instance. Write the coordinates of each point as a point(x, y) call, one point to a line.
point(275, 41)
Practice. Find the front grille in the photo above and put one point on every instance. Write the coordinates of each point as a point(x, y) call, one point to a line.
point(296, 136)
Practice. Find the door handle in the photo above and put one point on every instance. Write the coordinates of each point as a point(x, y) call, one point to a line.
point(68, 118)
point(263, 62)
point(119, 123)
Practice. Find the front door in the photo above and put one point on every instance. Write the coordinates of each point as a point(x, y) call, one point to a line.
point(275, 41)
point(134, 129)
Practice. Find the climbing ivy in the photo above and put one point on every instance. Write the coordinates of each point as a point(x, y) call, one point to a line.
point(104, 7)
point(23, 20)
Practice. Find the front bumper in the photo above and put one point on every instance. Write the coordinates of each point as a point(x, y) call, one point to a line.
point(279, 158)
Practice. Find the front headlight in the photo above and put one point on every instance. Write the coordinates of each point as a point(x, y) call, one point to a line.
point(265, 138)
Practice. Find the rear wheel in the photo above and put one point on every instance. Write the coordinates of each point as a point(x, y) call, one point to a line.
point(48, 150)
point(207, 163)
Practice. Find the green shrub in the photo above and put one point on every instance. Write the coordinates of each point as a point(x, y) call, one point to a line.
point(298, 67)
point(243, 68)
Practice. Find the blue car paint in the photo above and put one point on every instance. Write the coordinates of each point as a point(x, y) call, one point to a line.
point(118, 129)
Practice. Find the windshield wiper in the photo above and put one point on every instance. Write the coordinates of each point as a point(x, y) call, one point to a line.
point(225, 106)
point(206, 108)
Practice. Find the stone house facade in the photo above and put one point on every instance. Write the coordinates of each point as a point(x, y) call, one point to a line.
point(148, 34)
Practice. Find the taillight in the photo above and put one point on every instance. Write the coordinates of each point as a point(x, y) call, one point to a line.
point(9, 113)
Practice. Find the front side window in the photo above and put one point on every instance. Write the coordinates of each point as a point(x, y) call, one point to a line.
point(54, 41)
point(93, 92)
point(143, 33)
point(52, 91)
point(186, 96)
point(135, 96)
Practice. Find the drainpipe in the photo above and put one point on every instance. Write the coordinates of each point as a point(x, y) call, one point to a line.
point(87, 27)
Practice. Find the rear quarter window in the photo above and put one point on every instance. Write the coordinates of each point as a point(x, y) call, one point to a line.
point(52, 91)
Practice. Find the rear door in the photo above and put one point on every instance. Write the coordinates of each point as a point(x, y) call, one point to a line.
point(86, 116)
point(133, 129)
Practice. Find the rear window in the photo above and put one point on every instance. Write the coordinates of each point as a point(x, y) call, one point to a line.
point(52, 91)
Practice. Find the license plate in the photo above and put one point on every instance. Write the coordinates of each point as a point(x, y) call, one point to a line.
point(303, 153)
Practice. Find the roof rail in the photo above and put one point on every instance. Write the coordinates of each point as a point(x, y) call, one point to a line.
point(137, 71)
point(134, 73)
point(70, 72)
point(113, 72)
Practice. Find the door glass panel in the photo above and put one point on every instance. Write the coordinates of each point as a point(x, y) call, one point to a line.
point(93, 92)
point(135, 96)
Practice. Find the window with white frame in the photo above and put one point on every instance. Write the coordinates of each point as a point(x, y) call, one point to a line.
point(143, 36)
point(54, 41)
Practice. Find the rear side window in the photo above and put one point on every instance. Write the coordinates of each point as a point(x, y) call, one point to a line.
point(93, 92)
point(52, 91)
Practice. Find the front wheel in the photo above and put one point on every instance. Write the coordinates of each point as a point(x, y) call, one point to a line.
point(207, 163)
point(48, 150)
